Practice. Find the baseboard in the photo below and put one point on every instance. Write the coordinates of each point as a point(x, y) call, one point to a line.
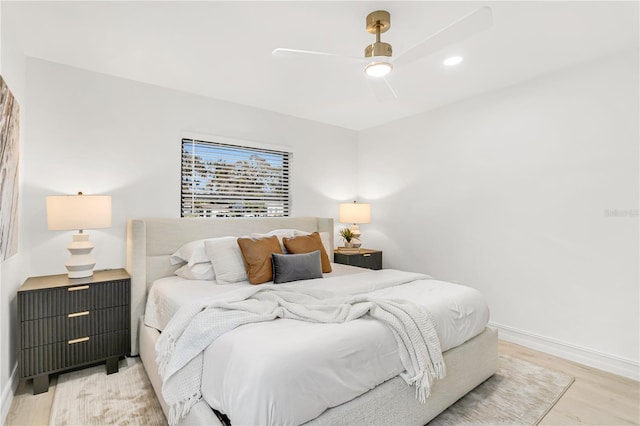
point(601, 361)
point(7, 394)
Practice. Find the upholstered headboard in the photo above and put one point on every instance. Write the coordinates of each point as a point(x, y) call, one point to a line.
point(151, 241)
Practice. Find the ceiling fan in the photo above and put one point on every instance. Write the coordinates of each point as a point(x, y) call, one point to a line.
point(378, 60)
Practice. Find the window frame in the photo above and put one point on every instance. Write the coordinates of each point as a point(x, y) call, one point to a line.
point(237, 144)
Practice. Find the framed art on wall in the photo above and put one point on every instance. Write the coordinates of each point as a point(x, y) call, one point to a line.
point(9, 154)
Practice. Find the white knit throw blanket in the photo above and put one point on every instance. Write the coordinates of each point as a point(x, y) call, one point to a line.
point(192, 329)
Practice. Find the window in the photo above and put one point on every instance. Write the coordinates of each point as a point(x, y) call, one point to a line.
point(221, 180)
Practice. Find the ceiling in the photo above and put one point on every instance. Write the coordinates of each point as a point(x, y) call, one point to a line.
point(223, 50)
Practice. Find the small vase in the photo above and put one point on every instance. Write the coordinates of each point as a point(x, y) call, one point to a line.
point(348, 244)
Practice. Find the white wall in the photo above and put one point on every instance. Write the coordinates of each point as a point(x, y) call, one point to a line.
point(98, 134)
point(510, 192)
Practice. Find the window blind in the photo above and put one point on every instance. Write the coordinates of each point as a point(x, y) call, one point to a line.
point(222, 180)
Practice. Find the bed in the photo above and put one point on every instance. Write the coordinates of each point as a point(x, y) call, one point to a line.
point(152, 241)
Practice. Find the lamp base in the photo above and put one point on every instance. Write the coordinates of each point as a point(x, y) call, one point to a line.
point(80, 264)
point(355, 241)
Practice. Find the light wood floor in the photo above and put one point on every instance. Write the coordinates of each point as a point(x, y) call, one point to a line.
point(595, 398)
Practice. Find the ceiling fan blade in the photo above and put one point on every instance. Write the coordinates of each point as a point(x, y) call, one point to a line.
point(282, 52)
point(381, 89)
point(470, 24)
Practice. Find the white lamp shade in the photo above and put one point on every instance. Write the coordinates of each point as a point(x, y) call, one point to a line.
point(67, 212)
point(355, 213)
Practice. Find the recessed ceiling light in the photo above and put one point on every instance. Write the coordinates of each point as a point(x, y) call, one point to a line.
point(454, 60)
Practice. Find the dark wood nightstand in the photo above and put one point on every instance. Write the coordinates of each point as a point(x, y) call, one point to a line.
point(67, 323)
point(365, 258)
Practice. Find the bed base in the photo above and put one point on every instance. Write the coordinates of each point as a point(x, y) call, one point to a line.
point(392, 402)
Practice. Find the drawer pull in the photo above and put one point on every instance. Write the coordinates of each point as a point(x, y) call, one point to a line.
point(366, 254)
point(78, 314)
point(74, 341)
point(80, 287)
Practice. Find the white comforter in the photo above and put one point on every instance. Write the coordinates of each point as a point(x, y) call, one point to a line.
point(289, 372)
point(169, 294)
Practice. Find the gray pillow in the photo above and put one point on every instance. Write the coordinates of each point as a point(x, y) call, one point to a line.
point(294, 267)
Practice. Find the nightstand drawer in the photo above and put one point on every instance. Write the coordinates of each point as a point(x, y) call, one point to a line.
point(74, 298)
point(74, 325)
point(72, 353)
point(371, 259)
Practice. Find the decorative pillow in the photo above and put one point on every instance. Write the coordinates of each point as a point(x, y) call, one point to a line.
point(306, 244)
point(324, 236)
point(226, 259)
point(294, 267)
point(199, 271)
point(280, 233)
point(256, 254)
point(192, 252)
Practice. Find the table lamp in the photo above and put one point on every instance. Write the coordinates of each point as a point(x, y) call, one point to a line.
point(355, 213)
point(69, 212)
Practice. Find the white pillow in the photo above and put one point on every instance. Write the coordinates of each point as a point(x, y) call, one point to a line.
point(192, 253)
point(226, 258)
point(280, 233)
point(324, 237)
point(199, 271)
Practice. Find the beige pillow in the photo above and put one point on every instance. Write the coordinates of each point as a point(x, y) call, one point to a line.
point(257, 257)
point(306, 244)
point(226, 259)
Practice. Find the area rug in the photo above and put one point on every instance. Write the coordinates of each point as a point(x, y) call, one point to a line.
point(90, 397)
point(520, 393)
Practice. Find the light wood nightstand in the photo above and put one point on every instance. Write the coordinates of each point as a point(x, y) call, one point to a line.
point(67, 323)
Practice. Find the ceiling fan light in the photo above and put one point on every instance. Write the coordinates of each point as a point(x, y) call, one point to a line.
point(378, 69)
